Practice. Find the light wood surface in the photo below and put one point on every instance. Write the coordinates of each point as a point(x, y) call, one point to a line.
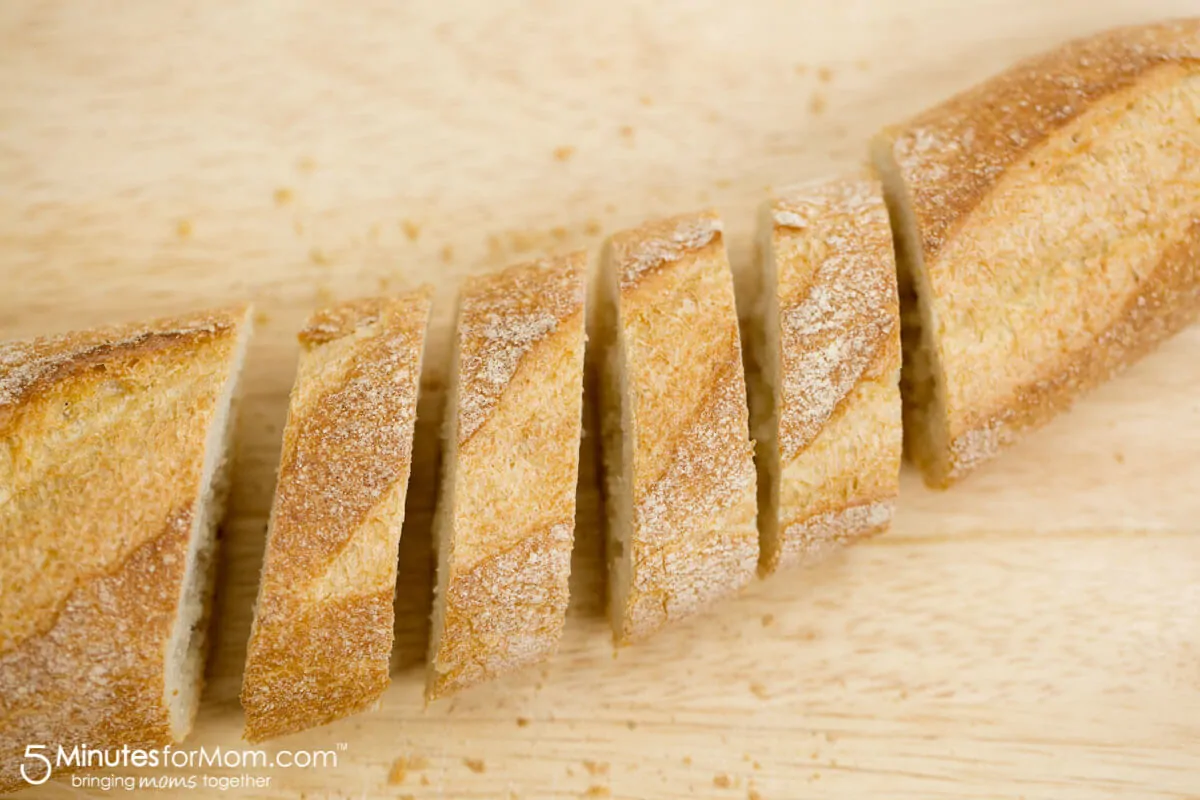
point(1034, 632)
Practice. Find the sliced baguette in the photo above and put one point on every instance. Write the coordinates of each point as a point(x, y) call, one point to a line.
point(505, 520)
point(824, 348)
point(113, 479)
point(680, 493)
point(321, 639)
point(1048, 224)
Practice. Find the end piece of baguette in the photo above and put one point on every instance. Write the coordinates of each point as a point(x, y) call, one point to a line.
point(1048, 224)
point(321, 640)
point(824, 348)
point(680, 492)
point(112, 484)
point(505, 521)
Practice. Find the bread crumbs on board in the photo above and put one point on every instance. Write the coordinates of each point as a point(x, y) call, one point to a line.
point(476, 765)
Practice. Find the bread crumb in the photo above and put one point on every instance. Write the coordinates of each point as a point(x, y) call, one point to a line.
point(183, 228)
point(317, 256)
point(816, 104)
point(768, 620)
point(283, 196)
point(261, 317)
point(424, 780)
point(407, 797)
point(722, 781)
point(398, 772)
point(411, 229)
point(522, 722)
point(627, 131)
point(1119, 458)
point(476, 765)
point(558, 232)
point(753, 794)
point(596, 767)
point(687, 761)
point(756, 764)
point(824, 74)
point(631, 725)
point(758, 690)
point(646, 100)
point(591, 227)
point(816, 776)
point(447, 253)
point(306, 164)
point(564, 153)
point(598, 791)
point(814, 755)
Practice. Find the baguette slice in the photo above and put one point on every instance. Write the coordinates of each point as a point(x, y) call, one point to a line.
point(825, 348)
point(113, 477)
point(321, 640)
point(505, 521)
point(1049, 230)
point(680, 493)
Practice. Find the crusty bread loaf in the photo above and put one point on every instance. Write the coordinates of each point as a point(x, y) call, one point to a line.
point(112, 483)
point(680, 492)
point(321, 640)
point(824, 371)
point(1049, 231)
point(505, 520)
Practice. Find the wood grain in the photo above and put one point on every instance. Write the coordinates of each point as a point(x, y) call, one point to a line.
point(1034, 632)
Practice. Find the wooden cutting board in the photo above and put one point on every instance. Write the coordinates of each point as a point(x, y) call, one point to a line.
point(1034, 632)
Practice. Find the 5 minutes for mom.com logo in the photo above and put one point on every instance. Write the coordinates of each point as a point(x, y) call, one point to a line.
point(42, 761)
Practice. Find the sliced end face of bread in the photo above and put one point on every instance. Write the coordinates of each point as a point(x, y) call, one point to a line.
point(113, 483)
point(505, 521)
point(321, 640)
point(1049, 227)
point(680, 492)
point(825, 341)
point(187, 649)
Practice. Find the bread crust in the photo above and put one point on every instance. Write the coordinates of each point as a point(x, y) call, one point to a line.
point(692, 536)
point(506, 512)
point(322, 634)
point(834, 299)
point(107, 432)
point(970, 169)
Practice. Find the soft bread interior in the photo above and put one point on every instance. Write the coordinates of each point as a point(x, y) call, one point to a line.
point(761, 332)
point(618, 444)
point(188, 645)
point(922, 383)
point(443, 523)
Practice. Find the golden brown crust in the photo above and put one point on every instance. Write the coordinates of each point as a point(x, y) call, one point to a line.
point(1045, 208)
point(692, 537)
point(504, 612)
point(838, 306)
point(808, 540)
point(833, 438)
point(1168, 300)
point(93, 576)
point(322, 633)
point(506, 513)
point(953, 153)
